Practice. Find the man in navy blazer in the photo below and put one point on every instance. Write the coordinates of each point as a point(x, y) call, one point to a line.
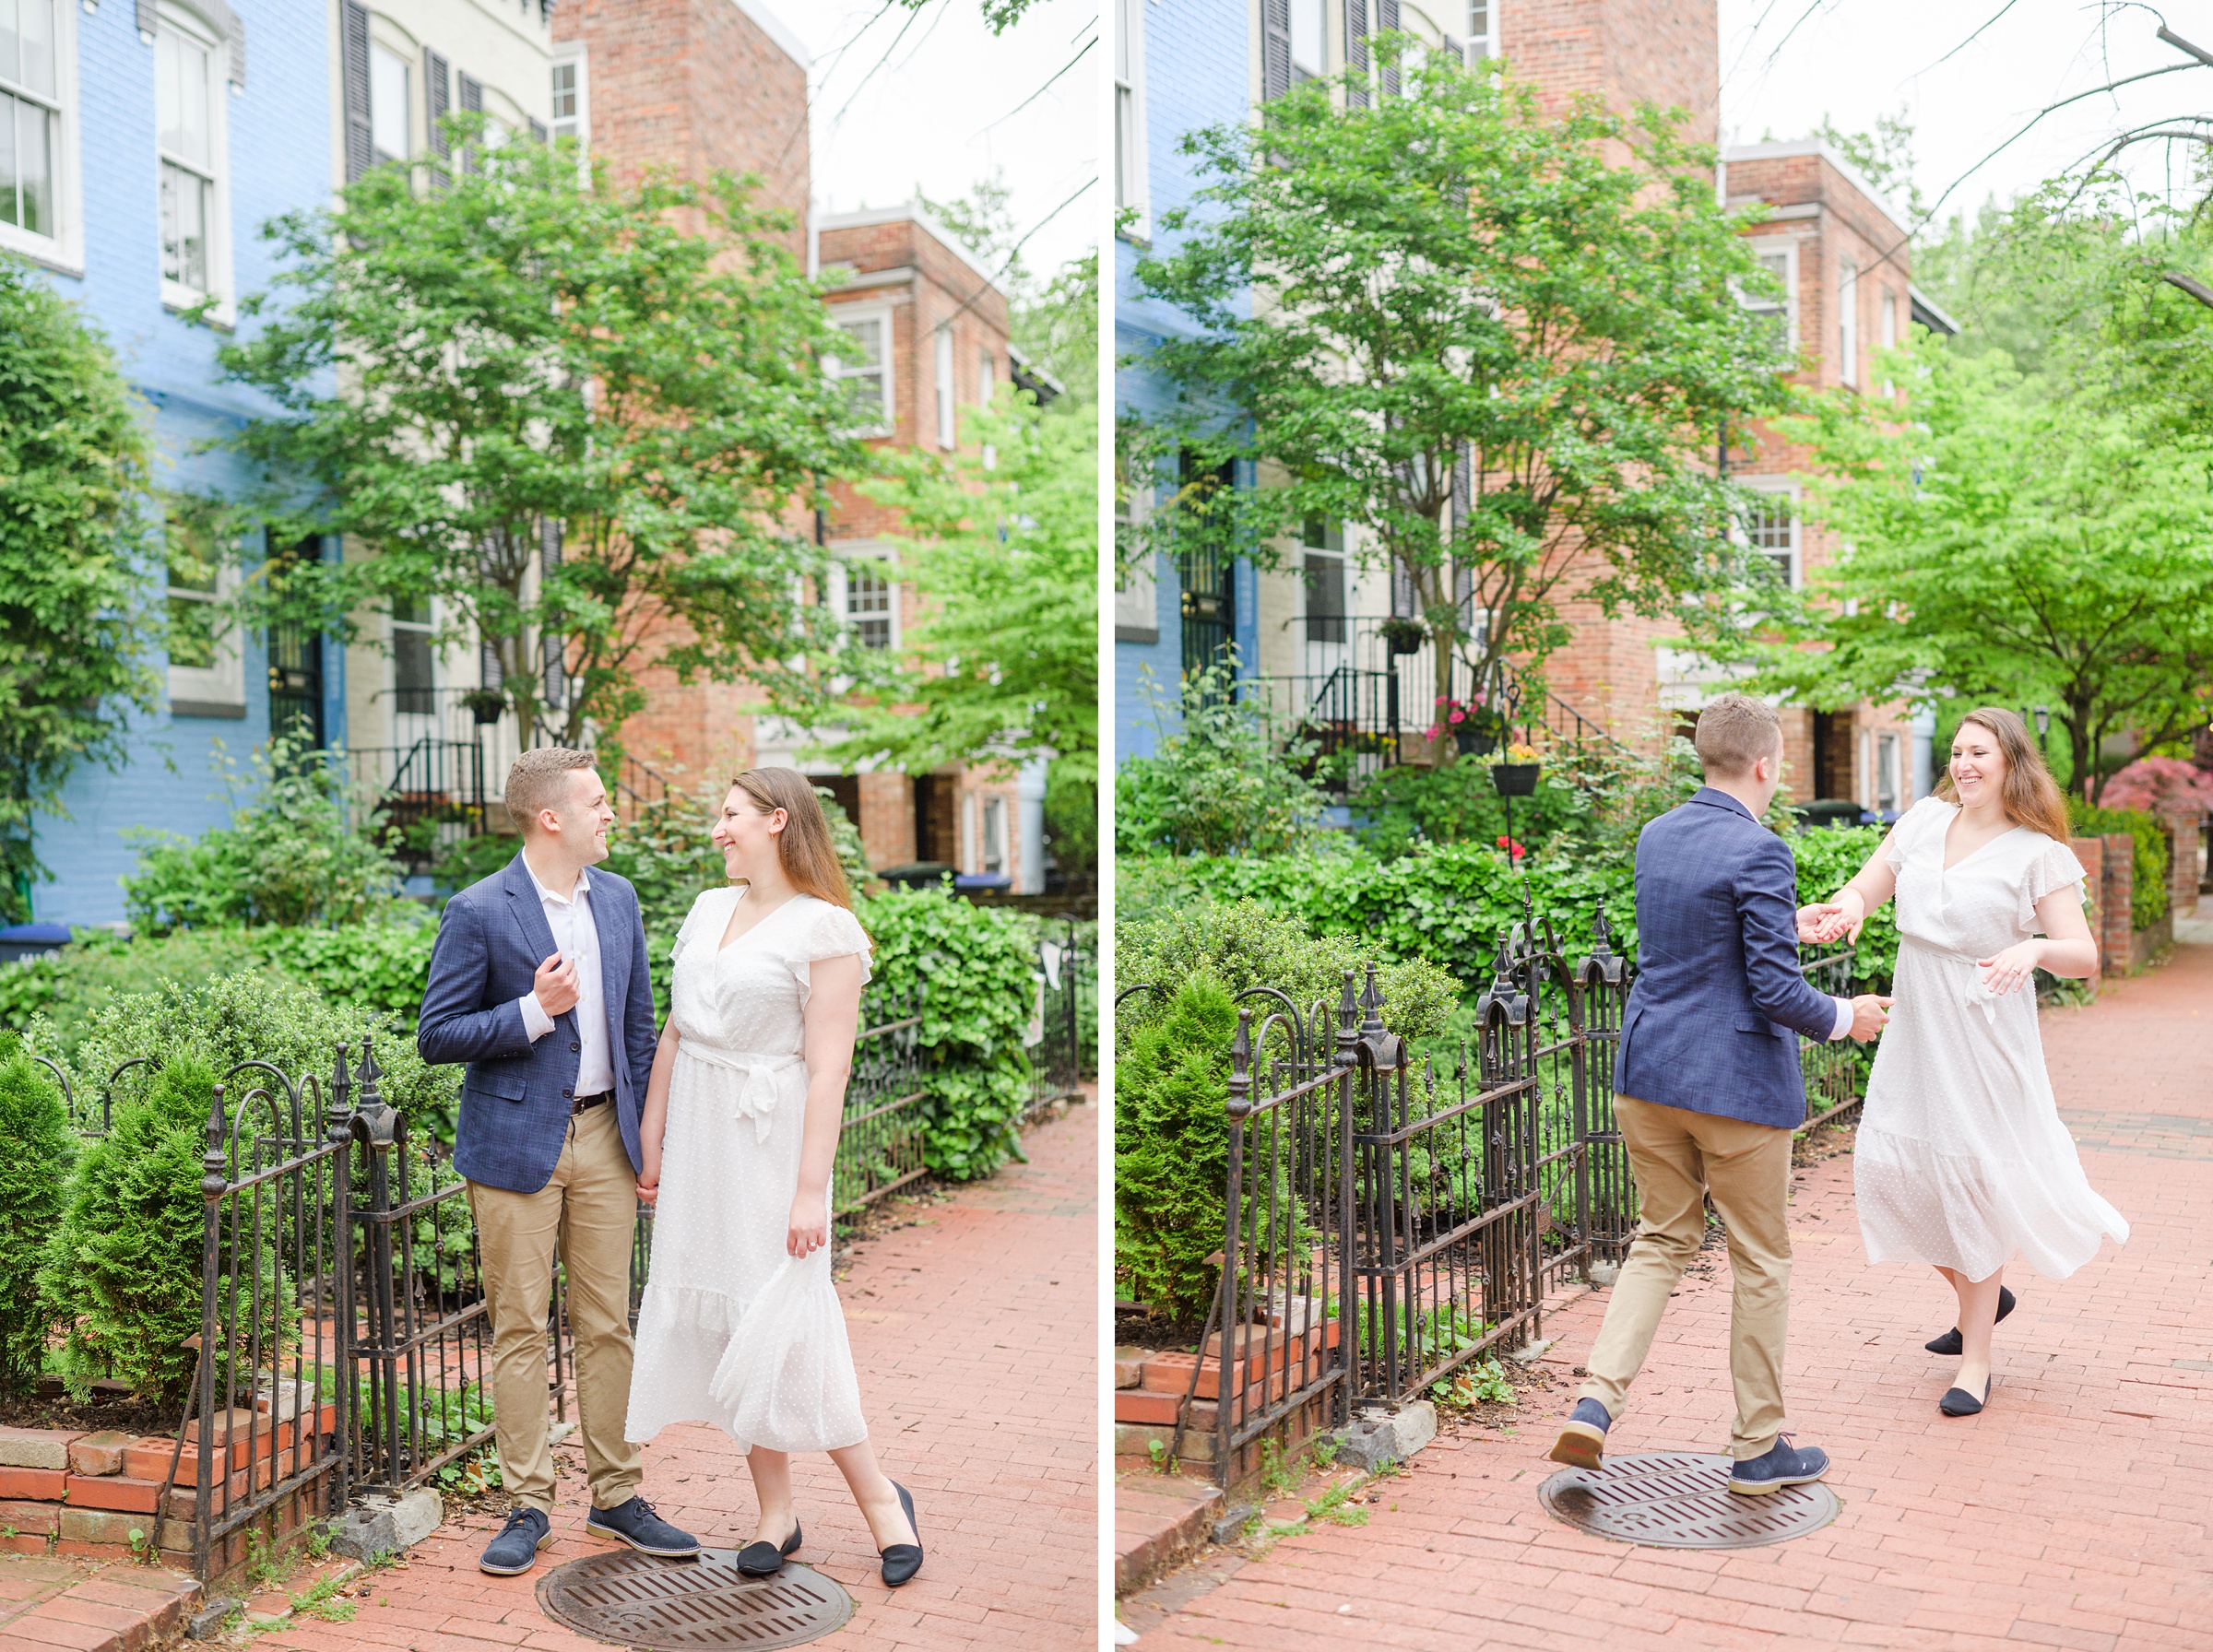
point(539, 982)
point(1708, 1088)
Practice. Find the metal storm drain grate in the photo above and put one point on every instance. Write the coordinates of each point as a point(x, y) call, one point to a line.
point(635, 1600)
point(1682, 1500)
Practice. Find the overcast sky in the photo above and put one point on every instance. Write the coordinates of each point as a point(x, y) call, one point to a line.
point(1785, 62)
point(938, 108)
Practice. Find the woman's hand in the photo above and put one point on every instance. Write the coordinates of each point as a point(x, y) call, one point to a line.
point(1841, 918)
point(810, 1225)
point(2014, 967)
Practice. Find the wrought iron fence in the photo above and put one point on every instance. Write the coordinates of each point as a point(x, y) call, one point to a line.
point(1388, 1222)
point(1064, 1046)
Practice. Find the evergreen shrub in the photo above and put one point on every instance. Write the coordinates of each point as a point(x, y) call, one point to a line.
point(1171, 1150)
point(34, 1172)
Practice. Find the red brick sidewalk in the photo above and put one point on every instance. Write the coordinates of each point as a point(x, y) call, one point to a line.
point(976, 1336)
point(2072, 1513)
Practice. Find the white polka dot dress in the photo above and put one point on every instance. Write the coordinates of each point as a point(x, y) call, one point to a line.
point(732, 1330)
point(1961, 1160)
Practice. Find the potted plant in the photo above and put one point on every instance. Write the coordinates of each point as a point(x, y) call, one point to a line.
point(1403, 635)
point(487, 706)
point(1474, 725)
point(1515, 775)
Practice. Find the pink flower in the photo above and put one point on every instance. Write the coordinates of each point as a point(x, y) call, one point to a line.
point(1459, 715)
point(1514, 851)
point(1434, 731)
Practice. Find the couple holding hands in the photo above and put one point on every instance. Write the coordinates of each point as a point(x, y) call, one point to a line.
point(1960, 1160)
point(726, 1121)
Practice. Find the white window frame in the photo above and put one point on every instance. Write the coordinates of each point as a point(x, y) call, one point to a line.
point(223, 683)
point(175, 295)
point(1303, 72)
point(970, 860)
point(1786, 247)
point(427, 631)
point(64, 251)
point(986, 378)
point(1132, 195)
point(1848, 322)
point(1137, 594)
point(573, 55)
point(1482, 30)
point(989, 862)
point(879, 562)
point(844, 315)
point(1781, 486)
point(941, 370)
point(379, 155)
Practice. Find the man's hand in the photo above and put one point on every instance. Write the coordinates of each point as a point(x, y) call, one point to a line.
point(1840, 919)
point(1869, 1015)
point(555, 985)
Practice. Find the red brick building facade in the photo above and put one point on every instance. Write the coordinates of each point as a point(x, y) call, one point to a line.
point(706, 86)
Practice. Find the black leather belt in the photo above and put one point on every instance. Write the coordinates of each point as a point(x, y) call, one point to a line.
point(583, 1104)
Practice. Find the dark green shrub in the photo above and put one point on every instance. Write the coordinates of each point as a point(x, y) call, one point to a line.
point(69, 987)
point(291, 854)
point(380, 966)
point(1247, 943)
point(1828, 857)
point(2147, 864)
point(34, 1173)
point(124, 1267)
point(1171, 1151)
point(972, 970)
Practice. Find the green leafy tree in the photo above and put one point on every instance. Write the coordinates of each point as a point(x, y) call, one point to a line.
point(2021, 541)
point(1003, 667)
point(34, 1173)
point(76, 635)
point(1504, 343)
point(1219, 782)
point(578, 413)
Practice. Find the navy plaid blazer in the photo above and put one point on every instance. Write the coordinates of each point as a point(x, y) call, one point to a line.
point(1713, 1021)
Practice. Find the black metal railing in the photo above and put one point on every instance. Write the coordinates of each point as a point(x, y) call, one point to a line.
point(1065, 1051)
point(1388, 1223)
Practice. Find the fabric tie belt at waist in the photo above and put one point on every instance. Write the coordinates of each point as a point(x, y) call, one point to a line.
point(1972, 990)
point(756, 1096)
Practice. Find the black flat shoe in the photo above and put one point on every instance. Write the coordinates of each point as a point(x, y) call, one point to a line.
point(1958, 1402)
point(766, 1559)
point(1950, 1342)
point(902, 1560)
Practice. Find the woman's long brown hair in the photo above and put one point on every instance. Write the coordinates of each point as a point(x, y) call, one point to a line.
point(803, 847)
point(2030, 797)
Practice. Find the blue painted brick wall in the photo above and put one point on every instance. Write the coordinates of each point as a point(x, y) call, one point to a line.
point(1198, 56)
point(279, 156)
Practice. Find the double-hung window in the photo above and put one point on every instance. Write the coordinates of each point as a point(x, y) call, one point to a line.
point(391, 108)
point(859, 369)
point(205, 671)
point(1848, 322)
point(188, 123)
point(572, 107)
point(1778, 306)
point(869, 595)
point(1480, 24)
point(1310, 40)
point(1130, 119)
point(943, 366)
point(30, 118)
point(1772, 527)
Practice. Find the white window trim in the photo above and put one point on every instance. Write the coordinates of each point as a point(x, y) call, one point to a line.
point(1129, 103)
point(970, 861)
point(881, 560)
point(993, 808)
point(175, 294)
point(1137, 596)
point(64, 251)
point(1848, 322)
point(574, 52)
point(944, 372)
point(223, 683)
point(842, 316)
point(1790, 488)
point(1767, 245)
point(1486, 44)
point(429, 629)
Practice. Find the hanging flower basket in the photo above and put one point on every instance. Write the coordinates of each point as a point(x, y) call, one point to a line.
point(1515, 780)
point(487, 706)
point(1403, 635)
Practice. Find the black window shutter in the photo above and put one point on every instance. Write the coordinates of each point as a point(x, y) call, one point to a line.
point(471, 99)
point(1356, 50)
point(439, 98)
point(353, 65)
point(1275, 49)
point(1387, 22)
point(1455, 51)
point(539, 132)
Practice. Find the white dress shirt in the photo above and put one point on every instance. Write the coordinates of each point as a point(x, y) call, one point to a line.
point(577, 938)
point(1842, 1027)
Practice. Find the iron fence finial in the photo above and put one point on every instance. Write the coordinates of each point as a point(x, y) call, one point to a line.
point(213, 1162)
point(1347, 1021)
point(1240, 1066)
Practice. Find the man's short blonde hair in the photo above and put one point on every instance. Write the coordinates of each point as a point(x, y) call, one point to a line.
point(539, 780)
point(1735, 732)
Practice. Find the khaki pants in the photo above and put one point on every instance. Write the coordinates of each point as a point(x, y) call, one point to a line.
point(1678, 1157)
point(586, 1213)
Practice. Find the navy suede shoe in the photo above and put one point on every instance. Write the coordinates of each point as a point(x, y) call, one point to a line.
point(1583, 1442)
point(635, 1523)
point(1783, 1464)
point(515, 1549)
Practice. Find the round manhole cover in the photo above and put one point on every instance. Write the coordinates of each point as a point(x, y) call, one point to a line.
point(635, 1600)
point(1682, 1500)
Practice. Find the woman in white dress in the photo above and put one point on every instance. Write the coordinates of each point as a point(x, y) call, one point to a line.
point(1960, 1158)
point(741, 1325)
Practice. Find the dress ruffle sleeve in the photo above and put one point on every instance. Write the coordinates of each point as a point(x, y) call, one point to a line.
point(2051, 867)
point(1914, 822)
point(695, 920)
point(834, 933)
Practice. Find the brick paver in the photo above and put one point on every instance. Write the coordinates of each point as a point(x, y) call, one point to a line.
point(974, 1332)
point(2072, 1513)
